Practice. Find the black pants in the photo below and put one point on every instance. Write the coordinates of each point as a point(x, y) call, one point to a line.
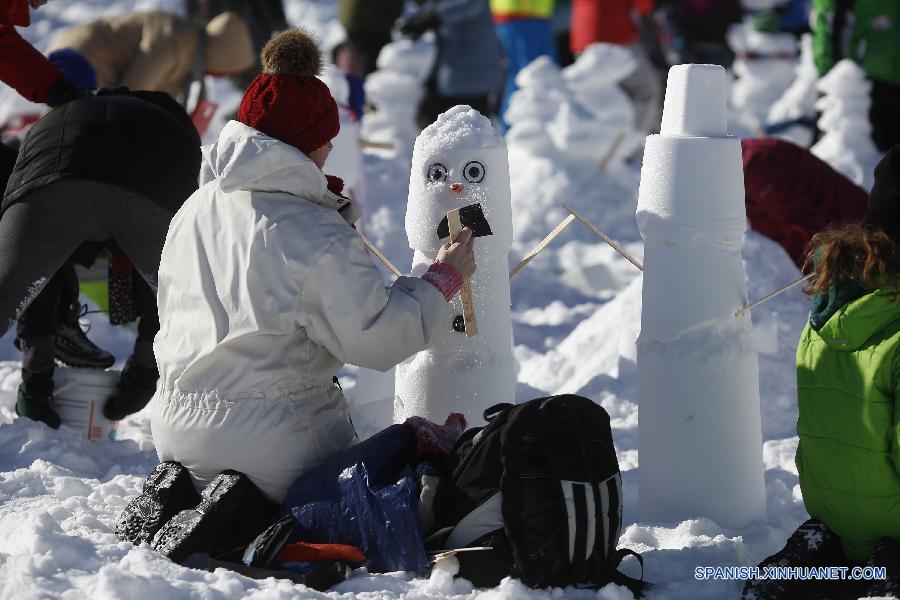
point(884, 115)
point(51, 306)
point(40, 233)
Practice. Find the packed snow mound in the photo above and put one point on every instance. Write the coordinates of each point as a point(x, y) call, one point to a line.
point(543, 72)
point(600, 64)
point(414, 58)
point(846, 143)
point(798, 100)
point(459, 127)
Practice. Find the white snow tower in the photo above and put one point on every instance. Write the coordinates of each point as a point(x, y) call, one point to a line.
point(699, 433)
point(460, 161)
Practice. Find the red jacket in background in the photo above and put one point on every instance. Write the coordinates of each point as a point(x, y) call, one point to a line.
point(607, 21)
point(21, 66)
point(792, 195)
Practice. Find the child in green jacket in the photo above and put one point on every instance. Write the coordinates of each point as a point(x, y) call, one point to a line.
point(848, 390)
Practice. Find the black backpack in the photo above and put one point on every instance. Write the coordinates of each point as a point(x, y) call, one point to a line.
point(540, 485)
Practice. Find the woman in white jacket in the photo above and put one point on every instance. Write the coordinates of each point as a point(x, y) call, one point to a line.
point(266, 290)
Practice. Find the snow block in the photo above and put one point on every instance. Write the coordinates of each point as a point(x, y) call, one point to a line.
point(700, 433)
point(696, 101)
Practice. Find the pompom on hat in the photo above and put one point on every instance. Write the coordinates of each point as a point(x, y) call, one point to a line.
point(287, 101)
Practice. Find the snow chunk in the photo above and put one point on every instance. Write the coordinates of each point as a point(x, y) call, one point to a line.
point(460, 127)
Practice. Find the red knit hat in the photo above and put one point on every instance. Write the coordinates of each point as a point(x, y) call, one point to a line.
point(287, 101)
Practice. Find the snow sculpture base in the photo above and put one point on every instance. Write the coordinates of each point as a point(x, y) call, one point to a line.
point(700, 435)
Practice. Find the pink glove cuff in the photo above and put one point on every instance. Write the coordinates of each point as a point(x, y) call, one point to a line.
point(444, 278)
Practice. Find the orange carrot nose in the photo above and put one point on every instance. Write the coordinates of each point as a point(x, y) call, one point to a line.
point(457, 187)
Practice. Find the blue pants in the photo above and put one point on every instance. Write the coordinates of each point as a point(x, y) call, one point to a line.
point(523, 41)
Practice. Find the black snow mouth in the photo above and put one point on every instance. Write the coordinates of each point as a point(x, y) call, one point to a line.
point(470, 216)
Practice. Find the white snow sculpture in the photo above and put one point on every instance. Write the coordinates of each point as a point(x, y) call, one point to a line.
point(798, 101)
point(700, 439)
point(762, 78)
point(414, 58)
point(846, 143)
point(395, 90)
point(593, 80)
point(580, 110)
point(460, 161)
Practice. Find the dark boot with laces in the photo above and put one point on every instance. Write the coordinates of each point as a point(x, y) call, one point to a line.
point(811, 545)
point(33, 398)
point(72, 346)
point(137, 384)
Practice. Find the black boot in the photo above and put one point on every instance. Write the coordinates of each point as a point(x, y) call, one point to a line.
point(167, 491)
point(72, 346)
point(199, 529)
point(33, 398)
point(137, 384)
point(886, 555)
point(811, 545)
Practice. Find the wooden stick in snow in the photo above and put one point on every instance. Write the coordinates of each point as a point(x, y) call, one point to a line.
point(603, 236)
point(369, 144)
point(465, 293)
point(543, 244)
point(768, 297)
point(604, 162)
point(383, 258)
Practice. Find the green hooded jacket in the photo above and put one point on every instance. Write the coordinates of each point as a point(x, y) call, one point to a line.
point(868, 33)
point(848, 378)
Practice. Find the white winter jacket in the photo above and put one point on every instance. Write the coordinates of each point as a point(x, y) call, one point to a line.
point(265, 291)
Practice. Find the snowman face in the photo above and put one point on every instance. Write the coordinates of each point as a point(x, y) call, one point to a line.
point(476, 181)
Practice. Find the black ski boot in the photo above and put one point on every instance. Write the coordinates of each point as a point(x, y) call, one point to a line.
point(33, 398)
point(886, 554)
point(137, 384)
point(199, 529)
point(167, 491)
point(812, 545)
point(72, 346)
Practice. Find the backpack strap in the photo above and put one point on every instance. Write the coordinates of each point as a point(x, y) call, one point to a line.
point(619, 556)
point(492, 412)
point(637, 586)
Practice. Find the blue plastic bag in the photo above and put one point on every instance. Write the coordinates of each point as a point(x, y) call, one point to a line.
point(383, 523)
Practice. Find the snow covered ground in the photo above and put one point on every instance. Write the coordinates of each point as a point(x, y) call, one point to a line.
point(576, 316)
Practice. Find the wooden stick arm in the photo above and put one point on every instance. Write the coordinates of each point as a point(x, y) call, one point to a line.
point(465, 293)
point(603, 236)
point(543, 244)
point(768, 297)
point(381, 256)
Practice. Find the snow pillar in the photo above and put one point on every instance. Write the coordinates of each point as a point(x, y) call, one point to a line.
point(700, 436)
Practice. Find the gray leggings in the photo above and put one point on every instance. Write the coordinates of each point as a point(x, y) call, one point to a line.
point(43, 229)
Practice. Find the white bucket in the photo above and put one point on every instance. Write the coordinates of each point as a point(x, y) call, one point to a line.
point(79, 396)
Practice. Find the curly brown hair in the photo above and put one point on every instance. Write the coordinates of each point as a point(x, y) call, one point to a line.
point(852, 252)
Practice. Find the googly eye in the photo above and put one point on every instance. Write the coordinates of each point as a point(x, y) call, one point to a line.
point(473, 171)
point(437, 173)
